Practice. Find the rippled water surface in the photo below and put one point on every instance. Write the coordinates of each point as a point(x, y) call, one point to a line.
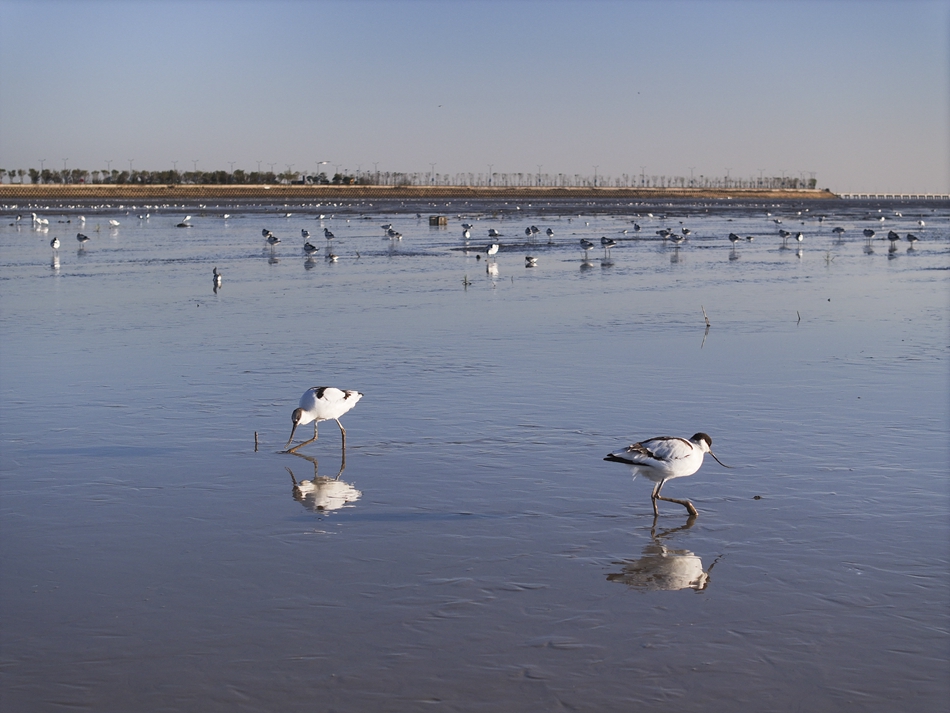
point(476, 552)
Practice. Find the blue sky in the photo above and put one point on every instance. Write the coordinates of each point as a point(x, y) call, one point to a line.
point(857, 92)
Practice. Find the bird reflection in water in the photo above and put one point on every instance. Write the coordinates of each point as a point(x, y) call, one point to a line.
point(322, 494)
point(662, 568)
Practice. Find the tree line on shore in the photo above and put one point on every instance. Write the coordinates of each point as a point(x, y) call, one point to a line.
point(391, 178)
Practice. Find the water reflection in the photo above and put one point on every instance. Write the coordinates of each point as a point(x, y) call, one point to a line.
point(321, 493)
point(662, 568)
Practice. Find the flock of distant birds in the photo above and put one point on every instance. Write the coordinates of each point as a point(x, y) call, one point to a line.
point(675, 237)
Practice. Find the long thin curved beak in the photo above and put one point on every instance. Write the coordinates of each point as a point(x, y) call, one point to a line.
point(292, 430)
point(714, 458)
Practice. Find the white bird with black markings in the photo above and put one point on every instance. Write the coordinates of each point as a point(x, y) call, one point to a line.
point(322, 403)
point(664, 458)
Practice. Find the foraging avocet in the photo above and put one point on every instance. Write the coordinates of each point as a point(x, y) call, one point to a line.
point(607, 243)
point(215, 279)
point(587, 245)
point(492, 249)
point(664, 458)
point(322, 403)
point(83, 239)
point(530, 261)
point(54, 243)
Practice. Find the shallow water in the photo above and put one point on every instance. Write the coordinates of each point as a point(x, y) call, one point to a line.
point(476, 553)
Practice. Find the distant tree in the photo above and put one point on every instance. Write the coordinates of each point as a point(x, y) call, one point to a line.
point(34, 176)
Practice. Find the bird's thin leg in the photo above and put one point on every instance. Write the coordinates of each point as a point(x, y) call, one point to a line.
point(693, 512)
point(343, 432)
point(315, 430)
point(656, 494)
point(300, 445)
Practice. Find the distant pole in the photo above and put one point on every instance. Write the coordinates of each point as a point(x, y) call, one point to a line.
point(109, 165)
point(64, 163)
point(130, 164)
point(539, 173)
point(490, 173)
point(258, 166)
point(194, 162)
point(175, 166)
point(432, 174)
point(272, 166)
point(595, 175)
point(761, 171)
point(42, 161)
point(727, 176)
point(231, 163)
point(643, 175)
point(691, 169)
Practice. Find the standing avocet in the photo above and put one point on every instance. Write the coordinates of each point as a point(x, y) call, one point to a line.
point(664, 458)
point(322, 403)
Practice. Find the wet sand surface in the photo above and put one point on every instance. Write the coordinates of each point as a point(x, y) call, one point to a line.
point(476, 552)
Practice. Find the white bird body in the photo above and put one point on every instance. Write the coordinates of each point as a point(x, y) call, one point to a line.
point(54, 243)
point(322, 403)
point(664, 458)
point(492, 249)
point(216, 279)
point(113, 222)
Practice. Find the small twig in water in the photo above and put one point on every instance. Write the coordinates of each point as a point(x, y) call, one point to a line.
point(255, 441)
point(705, 316)
point(799, 316)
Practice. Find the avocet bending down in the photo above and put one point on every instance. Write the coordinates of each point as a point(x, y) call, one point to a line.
point(664, 458)
point(322, 403)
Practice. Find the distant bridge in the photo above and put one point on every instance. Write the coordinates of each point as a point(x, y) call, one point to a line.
point(898, 196)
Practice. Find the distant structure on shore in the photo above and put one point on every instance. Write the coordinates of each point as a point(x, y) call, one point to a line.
point(489, 179)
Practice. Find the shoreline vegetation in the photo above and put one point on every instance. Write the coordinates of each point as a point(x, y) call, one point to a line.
point(279, 193)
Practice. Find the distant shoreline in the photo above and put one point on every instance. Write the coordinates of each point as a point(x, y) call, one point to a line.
point(236, 193)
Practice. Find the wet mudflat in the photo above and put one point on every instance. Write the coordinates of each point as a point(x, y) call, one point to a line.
point(476, 552)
